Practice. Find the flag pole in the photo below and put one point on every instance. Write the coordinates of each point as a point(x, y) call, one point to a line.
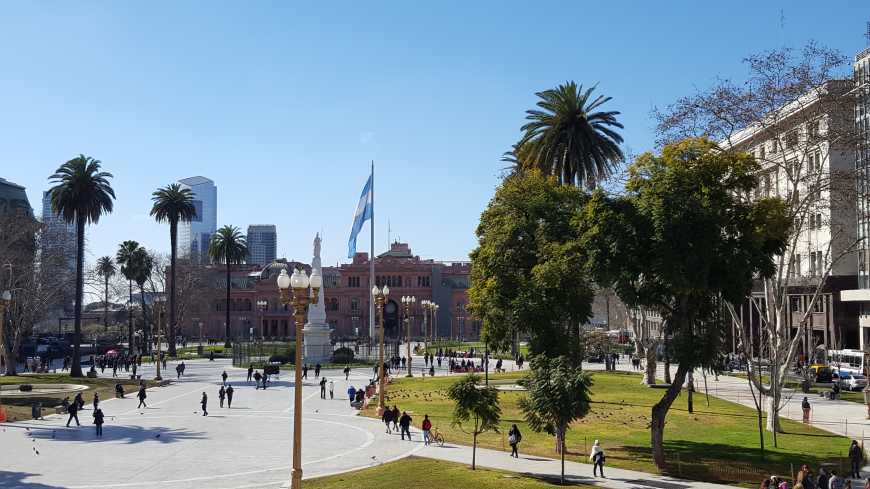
point(372, 258)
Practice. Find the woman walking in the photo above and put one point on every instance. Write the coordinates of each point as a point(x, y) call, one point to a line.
point(597, 458)
point(514, 438)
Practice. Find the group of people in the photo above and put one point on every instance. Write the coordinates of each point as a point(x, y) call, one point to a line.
point(825, 479)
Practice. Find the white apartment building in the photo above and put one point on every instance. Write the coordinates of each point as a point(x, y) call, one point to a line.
point(807, 157)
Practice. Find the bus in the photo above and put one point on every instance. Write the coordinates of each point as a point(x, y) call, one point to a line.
point(852, 361)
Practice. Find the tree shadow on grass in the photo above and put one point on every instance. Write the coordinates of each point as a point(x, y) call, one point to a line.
point(18, 480)
point(115, 433)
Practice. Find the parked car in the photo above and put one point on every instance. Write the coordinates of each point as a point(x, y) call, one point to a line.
point(849, 381)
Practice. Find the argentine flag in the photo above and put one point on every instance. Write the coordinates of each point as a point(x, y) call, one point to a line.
point(363, 212)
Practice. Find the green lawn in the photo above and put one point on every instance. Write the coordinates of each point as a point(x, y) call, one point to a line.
point(19, 409)
point(718, 442)
point(421, 473)
point(478, 347)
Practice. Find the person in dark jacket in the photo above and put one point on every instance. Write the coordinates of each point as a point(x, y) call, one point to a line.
point(222, 394)
point(856, 457)
point(230, 397)
point(224, 377)
point(73, 410)
point(387, 418)
point(142, 395)
point(514, 439)
point(405, 424)
point(204, 403)
point(822, 482)
point(98, 421)
point(250, 372)
point(257, 378)
point(396, 417)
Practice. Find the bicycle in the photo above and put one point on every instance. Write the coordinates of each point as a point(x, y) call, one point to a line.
point(435, 436)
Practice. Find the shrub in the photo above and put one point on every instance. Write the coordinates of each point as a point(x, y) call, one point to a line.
point(25, 387)
point(342, 355)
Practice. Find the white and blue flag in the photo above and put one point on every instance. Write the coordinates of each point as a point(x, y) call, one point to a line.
point(363, 213)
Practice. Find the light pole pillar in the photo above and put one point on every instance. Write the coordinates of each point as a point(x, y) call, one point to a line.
point(380, 297)
point(300, 299)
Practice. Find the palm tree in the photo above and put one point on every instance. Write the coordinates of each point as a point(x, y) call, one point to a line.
point(125, 258)
point(106, 269)
point(142, 263)
point(174, 204)
point(569, 137)
point(81, 194)
point(228, 246)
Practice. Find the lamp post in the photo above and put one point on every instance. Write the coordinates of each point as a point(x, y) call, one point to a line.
point(380, 297)
point(262, 305)
point(5, 301)
point(409, 303)
point(159, 300)
point(299, 300)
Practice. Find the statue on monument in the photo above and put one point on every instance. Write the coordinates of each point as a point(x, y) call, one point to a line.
point(317, 246)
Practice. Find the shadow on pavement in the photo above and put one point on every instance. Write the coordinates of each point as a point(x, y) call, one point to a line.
point(116, 433)
point(16, 480)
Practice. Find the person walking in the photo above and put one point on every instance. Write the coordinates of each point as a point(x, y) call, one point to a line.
point(96, 400)
point(98, 421)
point(305, 371)
point(514, 439)
point(805, 405)
point(204, 402)
point(331, 389)
point(405, 424)
point(257, 378)
point(316, 370)
point(427, 428)
point(230, 397)
point(250, 372)
point(597, 458)
point(396, 417)
point(856, 456)
point(346, 372)
point(351, 393)
point(222, 394)
point(73, 410)
point(142, 395)
point(823, 479)
point(224, 377)
point(836, 482)
point(387, 418)
point(322, 387)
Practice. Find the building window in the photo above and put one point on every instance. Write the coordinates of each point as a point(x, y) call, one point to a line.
point(797, 264)
point(761, 152)
point(819, 305)
point(774, 146)
point(333, 304)
point(791, 139)
point(353, 281)
point(422, 281)
point(354, 305)
point(795, 303)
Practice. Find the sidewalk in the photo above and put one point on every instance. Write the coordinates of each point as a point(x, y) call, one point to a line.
point(551, 468)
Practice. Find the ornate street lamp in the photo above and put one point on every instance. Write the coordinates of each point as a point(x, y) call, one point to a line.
point(409, 303)
point(299, 282)
point(380, 297)
point(158, 301)
point(262, 305)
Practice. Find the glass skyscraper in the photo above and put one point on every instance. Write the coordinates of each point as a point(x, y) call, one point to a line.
point(193, 236)
point(262, 243)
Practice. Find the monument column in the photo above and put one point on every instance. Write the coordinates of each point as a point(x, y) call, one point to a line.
point(318, 344)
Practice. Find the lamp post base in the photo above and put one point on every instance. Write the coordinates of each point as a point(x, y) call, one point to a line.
point(296, 479)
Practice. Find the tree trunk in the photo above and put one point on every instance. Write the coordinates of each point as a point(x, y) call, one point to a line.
point(130, 318)
point(690, 391)
point(228, 343)
point(562, 478)
point(76, 368)
point(146, 327)
point(173, 234)
point(667, 369)
point(660, 412)
point(106, 304)
point(10, 356)
point(474, 451)
point(650, 377)
point(773, 400)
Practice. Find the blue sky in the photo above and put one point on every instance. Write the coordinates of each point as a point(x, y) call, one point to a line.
point(284, 104)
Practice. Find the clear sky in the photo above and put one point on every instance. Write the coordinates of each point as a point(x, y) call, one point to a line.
point(283, 104)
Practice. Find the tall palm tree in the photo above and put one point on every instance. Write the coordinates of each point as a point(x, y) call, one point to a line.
point(106, 269)
point(571, 138)
point(228, 246)
point(174, 204)
point(81, 194)
point(142, 263)
point(125, 258)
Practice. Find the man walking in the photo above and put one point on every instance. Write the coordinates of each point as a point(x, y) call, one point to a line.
point(250, 372)
point(331, 390)
point(351, 393)
point(224, 377)
point(204, 402)
point(73, 410)
point(316, 370)
point(305, 371)
point(257, 378)
point(222, 393)
point(142, 395)
point(229, 397)
point(322, 387)
point(98, 421)
point(405, 424)
point(346, 372)
point(427, 428)
point(856, 456)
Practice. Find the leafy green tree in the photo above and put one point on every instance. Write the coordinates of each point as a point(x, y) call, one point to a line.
point(125, 258)
point(106, 269)
point(558, 394)
point(228, 246)
point(81, 195)
point(528, 272)
point(569, 137)
point(173, 204)
point(475, 406)
point(681, 241)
